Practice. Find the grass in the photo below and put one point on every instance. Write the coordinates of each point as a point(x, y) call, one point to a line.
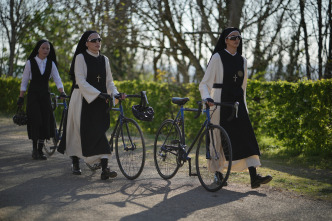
point(308, 176)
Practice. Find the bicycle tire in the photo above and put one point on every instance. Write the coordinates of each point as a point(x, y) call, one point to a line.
point(131, 161)
point(166, 159)
point(51, 144)
point(206, 176)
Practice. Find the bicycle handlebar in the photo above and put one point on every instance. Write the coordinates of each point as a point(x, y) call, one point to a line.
point(234, 106)
point(144, 99)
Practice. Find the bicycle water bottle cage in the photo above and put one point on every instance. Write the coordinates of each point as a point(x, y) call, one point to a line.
point(179, 100)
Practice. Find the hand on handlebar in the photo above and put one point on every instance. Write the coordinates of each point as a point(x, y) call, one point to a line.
point(105, 96)
point(63, 95)
point(210, 101)
point(122, 96)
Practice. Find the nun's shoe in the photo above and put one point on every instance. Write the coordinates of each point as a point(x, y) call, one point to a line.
point(255, 183)
point(106, 174)
point(76, 169)
point(41, 155)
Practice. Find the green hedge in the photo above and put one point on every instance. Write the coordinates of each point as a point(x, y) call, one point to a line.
point(299, 114)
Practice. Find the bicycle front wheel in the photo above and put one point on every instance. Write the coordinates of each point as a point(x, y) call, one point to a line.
point(130, 149)
point(166, 149)
point(214, 153)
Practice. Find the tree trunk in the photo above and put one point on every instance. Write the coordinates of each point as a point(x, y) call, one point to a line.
point(234, 8)
point(306, 46)
point(320, 40)
point(328, 66)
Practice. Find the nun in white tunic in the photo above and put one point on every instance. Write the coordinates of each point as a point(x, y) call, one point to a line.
point(92, 85)
point(225, 80)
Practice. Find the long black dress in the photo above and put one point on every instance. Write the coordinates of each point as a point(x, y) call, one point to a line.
point(94, 119)
point(240, 131)
point(39, 110)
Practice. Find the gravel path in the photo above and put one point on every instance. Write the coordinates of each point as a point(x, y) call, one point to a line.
point(46, 190)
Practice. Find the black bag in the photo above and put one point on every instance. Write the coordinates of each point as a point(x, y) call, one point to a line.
point(20, 118)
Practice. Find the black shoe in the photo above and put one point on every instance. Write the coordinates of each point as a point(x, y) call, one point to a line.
point(41, 155)
point(106, 174)
point(218, 178)
point(35, 155)
point(260, 180)
point(75, 168)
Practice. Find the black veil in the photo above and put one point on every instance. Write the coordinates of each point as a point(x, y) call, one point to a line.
point(221, 44)
point(80, 48)
point(51, 55)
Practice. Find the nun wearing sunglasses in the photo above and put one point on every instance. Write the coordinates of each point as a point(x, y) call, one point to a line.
point(225, 80)
point(87, 120)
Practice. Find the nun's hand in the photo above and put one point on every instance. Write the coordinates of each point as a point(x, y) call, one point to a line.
point(210, 101)
point(105, 96)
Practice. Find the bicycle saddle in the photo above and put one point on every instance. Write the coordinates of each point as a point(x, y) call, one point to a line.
point(180, 100)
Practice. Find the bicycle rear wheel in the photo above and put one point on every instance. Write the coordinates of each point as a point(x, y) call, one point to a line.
point(210, 156)
point(130, 149)
point(166, 147)
point(51, 144)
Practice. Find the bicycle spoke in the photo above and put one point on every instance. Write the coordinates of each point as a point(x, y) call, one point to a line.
point(166, 149)
point(218, 142)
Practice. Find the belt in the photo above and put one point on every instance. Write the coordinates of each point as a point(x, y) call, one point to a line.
point(217, 85)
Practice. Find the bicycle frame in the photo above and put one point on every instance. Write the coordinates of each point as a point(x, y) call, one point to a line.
point(64, 111)
point(119, 122)
point(180, 120)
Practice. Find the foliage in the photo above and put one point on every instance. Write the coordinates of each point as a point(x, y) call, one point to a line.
point(298, 114)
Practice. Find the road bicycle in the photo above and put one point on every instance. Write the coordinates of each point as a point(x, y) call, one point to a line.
point(171, 152)
point(129, 142)
point(51, 145)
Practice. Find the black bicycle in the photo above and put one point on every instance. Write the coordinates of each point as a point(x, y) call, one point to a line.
point(51, 145)
point(129, 142)
point(171, 152)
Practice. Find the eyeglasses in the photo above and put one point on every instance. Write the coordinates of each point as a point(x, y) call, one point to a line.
point(94, 40)
point(233, 38)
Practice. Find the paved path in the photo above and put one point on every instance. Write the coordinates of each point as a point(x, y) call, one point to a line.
point(46, 190)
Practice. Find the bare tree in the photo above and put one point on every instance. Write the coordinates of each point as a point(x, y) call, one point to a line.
point(234, 9)
point(305, 38)
point(328, 66)
point(320, 39)
point(17, 17)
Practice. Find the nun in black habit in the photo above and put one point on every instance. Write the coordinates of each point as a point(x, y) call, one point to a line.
point(39, 68)
point(87, 120)
point(225, 80)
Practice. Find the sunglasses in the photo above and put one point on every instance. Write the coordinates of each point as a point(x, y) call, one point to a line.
point(233, 38)
point(94, 40)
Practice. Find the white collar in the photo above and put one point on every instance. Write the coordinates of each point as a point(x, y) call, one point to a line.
point(40, 60)
point(91, 53)
point(230, 52)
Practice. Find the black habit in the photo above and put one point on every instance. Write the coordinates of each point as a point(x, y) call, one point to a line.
point(240, 131)
point(94, 119)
